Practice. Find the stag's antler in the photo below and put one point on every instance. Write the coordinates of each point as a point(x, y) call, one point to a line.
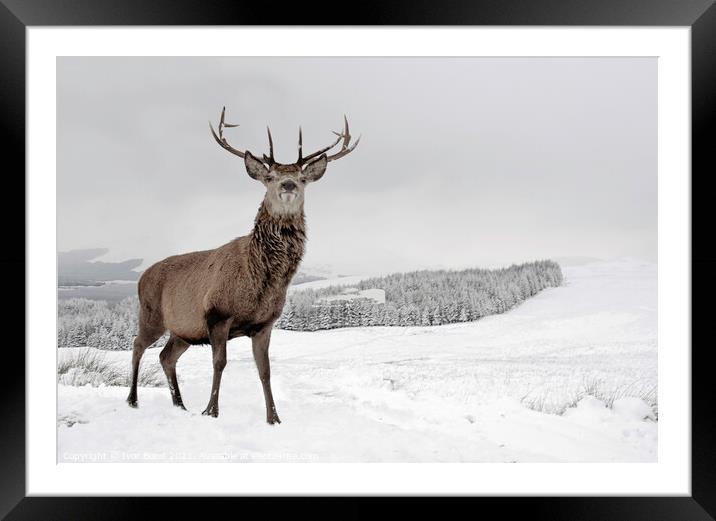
point(221, 139)
point(345, 136)
point(269, 160)
point(346, 147)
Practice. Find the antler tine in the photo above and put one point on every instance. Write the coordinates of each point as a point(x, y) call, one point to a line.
point(347, 133)
point(270, 160)
point(220, 139)
point(300, 146)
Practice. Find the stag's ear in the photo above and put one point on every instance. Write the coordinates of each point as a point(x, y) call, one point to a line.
point(314, 170)
point(255, 168)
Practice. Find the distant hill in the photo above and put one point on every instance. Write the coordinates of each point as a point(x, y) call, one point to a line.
point(77, 268)
point(576, 260)
point(80, 276)
point(302, 277)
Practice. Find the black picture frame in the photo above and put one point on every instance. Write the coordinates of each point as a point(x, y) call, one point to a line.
point(17, 15)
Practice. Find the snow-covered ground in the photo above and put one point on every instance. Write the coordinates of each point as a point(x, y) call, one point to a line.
point(462, 392)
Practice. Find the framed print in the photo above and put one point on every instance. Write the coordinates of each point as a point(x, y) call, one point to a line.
point(435, 253)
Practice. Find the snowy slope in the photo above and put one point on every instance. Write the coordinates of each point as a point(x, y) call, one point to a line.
point(375, 294)
point(446, 393)
point(324, 283)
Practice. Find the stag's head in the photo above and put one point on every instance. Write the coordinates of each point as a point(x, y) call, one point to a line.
point(285, 183)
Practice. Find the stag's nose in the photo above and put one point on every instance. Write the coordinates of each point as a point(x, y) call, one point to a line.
point(289, 185)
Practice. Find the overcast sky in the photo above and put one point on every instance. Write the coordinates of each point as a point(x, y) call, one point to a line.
point(463, 161)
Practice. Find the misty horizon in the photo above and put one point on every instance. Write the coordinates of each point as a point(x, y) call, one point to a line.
point(463, 162)
point(85, 271)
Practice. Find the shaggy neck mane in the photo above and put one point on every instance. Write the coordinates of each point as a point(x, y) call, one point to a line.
point(276, 245)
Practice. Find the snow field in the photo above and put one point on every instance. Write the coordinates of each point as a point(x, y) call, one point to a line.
point(459, 392)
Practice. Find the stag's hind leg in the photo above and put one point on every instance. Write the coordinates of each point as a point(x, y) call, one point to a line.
point(141, 342)
point(151, 327)
point(168, 357)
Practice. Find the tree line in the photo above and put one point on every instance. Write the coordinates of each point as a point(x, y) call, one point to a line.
point(421, 298)
point(98, 323)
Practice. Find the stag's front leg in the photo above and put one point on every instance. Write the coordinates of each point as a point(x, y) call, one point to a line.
point(218, 335)
point(260, 345)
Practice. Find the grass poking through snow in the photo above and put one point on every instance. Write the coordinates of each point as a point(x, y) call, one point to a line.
point(557, 401)
point(91, 367)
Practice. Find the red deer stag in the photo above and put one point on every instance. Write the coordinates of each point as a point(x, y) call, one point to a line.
point(237, 289)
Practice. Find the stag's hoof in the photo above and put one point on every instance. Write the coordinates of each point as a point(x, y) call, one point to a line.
point(179, 405)
point(132, 402)
point(213, 412)
point(273, 419)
